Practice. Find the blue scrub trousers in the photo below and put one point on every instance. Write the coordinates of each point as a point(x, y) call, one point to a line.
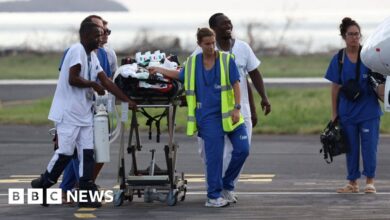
point(71, 175)
point(214, 147)
point(363, 135)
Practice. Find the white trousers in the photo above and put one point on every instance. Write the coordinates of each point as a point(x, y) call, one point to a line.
point(69, 137)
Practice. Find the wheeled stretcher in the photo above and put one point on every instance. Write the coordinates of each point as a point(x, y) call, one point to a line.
point(152, 183)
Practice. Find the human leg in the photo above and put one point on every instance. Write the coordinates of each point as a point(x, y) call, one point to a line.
point(85, 150)
point(66, 142)
point(369, 140)
point(351, 132)
point(353, 156)
point(69, 178)
point(97, 169)
point(213, 156)
point(239, 140)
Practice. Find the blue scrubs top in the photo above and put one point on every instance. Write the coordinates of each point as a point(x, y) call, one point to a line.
point(367, 106)
point(102, 57)
point(208, 95)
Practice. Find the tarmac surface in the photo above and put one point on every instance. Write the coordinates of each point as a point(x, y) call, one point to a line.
point(285, 177)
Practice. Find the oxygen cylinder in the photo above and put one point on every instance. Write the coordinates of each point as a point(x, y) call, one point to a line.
point(101, 135)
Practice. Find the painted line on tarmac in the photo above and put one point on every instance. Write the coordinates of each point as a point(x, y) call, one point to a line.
point(22, 179)
point(84, 215)
point(261, 178)
point(24, 176)
point(244, 178)
point(86, 209)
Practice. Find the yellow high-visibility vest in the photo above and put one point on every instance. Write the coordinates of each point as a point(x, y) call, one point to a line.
point(227, 94)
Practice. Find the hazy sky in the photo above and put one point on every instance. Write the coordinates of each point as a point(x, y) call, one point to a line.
point(315, 22)
point(261, 8)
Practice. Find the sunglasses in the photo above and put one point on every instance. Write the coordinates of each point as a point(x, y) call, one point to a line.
point(107, 31)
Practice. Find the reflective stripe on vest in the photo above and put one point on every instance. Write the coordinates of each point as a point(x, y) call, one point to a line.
point(227, 94)
point(189, 86)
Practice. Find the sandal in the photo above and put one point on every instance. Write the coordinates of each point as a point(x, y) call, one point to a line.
point(349, 188)
point(65, 201)
point(370, 188)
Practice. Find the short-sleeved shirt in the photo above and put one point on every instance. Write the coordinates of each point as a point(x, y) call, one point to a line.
point(71, 104)
point(112, 59)
point(367, 106)
point(103, 60)
point(208, 94)
point(246, 62)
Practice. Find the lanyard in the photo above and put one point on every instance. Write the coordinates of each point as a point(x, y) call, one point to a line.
point(89, 67)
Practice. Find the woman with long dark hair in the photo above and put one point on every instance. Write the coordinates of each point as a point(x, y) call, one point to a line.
point(355, 105)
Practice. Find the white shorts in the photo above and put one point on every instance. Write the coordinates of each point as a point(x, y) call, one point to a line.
point(71, 136)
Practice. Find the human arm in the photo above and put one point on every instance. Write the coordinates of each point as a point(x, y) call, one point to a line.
point(258, 83)
point(173, 74)
point(111, 87)
point(252, 105)
point(334, 97)
point(237, 95)
point(76, 80)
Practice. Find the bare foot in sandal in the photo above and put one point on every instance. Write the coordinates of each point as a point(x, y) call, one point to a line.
point(351, 187)
point(370, 188)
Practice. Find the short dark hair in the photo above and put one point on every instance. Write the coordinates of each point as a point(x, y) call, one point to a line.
point(87, 27)
point(204, 32)
point(213, 19)
point(90, 17)
point(345, 24)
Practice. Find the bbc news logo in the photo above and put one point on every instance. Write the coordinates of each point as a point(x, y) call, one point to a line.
point(54, 196)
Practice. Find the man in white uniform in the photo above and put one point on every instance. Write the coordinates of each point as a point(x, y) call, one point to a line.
point(72, 112)
point(247, 64)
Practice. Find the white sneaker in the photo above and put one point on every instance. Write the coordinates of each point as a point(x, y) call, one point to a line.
point(220, 202)
point(229, 196)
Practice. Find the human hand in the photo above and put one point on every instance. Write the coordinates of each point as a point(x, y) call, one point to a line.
point(132, 105)
point(153, 69)
point(254, 120)
point(98, 88)
point(265, 106)
point(235, 116)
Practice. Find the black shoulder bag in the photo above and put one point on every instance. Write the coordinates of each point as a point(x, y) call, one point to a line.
point(333, 141)
point(351, 89)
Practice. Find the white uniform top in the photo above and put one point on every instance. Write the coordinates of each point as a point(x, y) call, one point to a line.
point(246, 61)
point(112, 59)
point(73, 105)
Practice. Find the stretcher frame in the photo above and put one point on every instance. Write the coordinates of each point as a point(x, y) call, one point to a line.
point(161, 185)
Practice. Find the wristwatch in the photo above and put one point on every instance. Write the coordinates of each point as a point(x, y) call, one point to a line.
point(237, 106)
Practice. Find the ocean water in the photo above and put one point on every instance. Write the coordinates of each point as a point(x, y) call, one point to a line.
point(305, 26)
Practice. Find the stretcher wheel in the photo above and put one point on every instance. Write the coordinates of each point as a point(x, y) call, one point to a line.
point(183, 194)
point(172, 197)
point(118, 198)
point(130, 198)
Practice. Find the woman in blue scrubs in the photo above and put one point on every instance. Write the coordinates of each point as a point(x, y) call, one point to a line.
point(208, 116)
point(359, 118)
